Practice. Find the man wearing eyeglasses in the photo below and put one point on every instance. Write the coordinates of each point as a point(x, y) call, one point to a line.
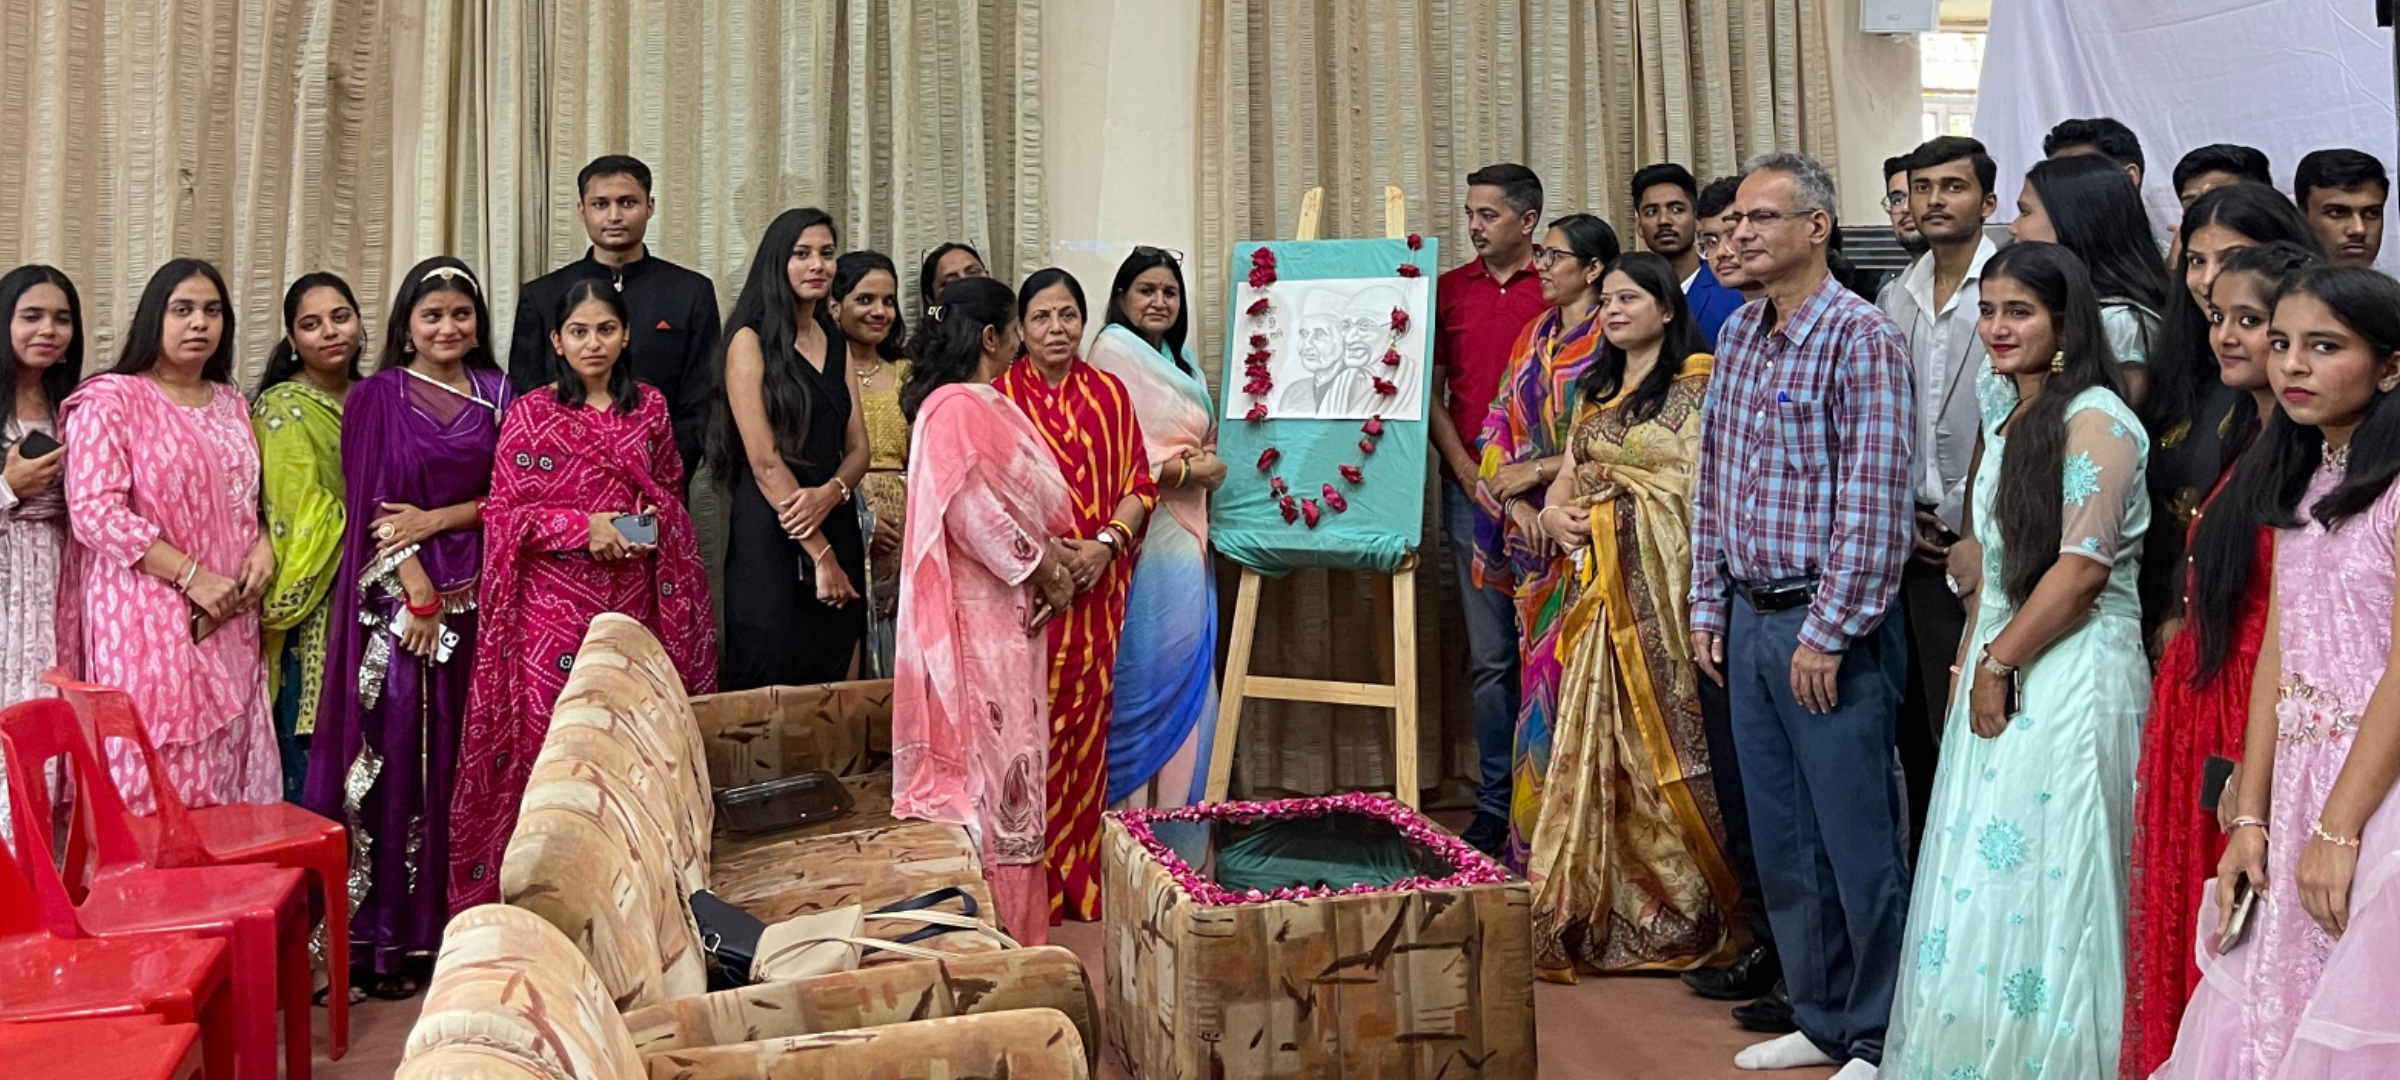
point(673, 311)
point(1800, 527)
point(1904, 224)
point(1481, 306)
point(1934, 301)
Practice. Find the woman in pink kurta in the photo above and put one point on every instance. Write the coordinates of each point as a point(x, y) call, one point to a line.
point(978, 582)
point(571, 458)
point(162, 495)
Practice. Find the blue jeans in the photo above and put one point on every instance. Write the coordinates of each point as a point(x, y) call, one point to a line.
point(1492, 638)
point(1827, 822)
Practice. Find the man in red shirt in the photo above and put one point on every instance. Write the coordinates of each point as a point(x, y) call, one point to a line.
point(1480, 308)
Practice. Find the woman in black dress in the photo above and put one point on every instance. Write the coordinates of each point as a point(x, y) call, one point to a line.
point(782, 427)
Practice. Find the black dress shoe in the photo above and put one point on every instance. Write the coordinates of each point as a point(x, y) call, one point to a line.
point(1488, 833)
point(1749, 976)
point(1769, 1015)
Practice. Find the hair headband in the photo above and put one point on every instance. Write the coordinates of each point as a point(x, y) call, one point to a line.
point(451, 273)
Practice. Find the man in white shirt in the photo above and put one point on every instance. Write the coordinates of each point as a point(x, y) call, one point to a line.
point(1950, 197)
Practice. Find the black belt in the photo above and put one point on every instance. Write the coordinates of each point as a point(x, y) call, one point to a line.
point(1782, 594)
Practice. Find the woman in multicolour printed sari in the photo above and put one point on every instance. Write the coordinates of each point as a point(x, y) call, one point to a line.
point(1627, 867)
point(1524, 445)
point(297, 416)
point(1087, 418)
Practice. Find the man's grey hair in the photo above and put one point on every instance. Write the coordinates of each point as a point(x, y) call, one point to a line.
point(1812, 185)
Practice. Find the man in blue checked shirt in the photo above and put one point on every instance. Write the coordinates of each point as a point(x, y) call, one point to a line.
point(1801, 521)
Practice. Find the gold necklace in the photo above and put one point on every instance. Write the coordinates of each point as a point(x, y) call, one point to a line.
point(867, 378)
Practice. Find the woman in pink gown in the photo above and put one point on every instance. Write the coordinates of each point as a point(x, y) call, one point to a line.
point(2308, 991)
point(162, 495)
point(979, 580)
point(572, 458)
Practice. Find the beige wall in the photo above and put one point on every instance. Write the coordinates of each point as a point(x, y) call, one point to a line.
point(1118, 102)
point(1878, 107)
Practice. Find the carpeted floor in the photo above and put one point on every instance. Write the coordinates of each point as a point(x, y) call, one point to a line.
point(1631, 1028)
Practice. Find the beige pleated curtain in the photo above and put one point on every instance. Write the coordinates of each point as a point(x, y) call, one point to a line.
point(275, 137)
point(1352, 95)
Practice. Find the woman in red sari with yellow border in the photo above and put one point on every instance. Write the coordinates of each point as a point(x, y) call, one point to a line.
point(1088, 420)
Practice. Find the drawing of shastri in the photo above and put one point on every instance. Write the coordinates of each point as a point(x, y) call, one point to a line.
point(1338, 342)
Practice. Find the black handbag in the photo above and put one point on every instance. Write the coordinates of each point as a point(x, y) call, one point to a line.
point(729, 935)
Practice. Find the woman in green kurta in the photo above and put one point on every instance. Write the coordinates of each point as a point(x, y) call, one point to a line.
point(298, 417)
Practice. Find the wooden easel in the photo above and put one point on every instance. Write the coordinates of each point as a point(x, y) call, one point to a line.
point(1395, 604)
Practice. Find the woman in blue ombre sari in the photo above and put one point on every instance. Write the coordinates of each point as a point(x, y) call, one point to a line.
point(1166, 678)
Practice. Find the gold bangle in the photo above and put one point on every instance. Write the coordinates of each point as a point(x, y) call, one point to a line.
point(2251, 823)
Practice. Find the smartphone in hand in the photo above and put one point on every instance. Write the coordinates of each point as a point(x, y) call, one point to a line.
point(637, 528)
point(2237, 927)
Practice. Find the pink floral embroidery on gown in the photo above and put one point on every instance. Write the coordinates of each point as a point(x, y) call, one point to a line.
point(144, 468)
point(2259, 1012)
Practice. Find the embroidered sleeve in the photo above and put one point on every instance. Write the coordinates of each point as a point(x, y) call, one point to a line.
point(2101, 472)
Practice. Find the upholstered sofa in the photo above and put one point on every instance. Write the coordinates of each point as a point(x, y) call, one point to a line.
point(512, 999)
point(616, 830)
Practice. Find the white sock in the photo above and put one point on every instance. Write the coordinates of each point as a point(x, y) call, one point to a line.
point(1792, 1051)
point(1857, 1069)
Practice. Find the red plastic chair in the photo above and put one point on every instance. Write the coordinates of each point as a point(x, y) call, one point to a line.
point(277, 834)
point(261, 912)
point(124, 1048)
point(178, 979)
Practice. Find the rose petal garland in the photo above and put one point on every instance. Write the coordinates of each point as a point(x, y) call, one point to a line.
point(1469, 867)
point(1259, 381)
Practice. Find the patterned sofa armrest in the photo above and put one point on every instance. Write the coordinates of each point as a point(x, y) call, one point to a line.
point(971, 984)
point(778, 731)
point(1026, 1044)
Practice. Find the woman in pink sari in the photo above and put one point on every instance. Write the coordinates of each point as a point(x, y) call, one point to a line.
point(979, 581)
point(574, 460)
point(162, 495)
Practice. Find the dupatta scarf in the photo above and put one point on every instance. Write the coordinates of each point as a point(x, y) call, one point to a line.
point(299, 431)
point(1166, 661)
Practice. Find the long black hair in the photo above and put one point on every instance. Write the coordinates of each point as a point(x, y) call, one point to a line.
point(2184, 365)
point(442, 273)
point(2268, 484)
point(948, 347)
point(2224, 540)
point(2032, 488)
point(59, 379)
point(852, 268)
point(2097, 213)
point(624, 394)
point(1653, 274)
point(284, 363)
point(1142, 261)
point(930, 266)
point(767, 308)
point(147, 337)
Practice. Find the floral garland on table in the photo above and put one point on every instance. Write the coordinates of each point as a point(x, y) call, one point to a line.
point(1259, 381)
point(1470, 867)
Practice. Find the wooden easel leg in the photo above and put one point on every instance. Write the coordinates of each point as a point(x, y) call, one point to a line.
point(1236, 687)
point(1404, 657)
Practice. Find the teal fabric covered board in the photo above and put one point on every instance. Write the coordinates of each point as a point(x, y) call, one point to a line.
point(1327, 341)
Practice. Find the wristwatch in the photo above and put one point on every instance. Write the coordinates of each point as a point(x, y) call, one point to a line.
point(1994, 667)
point(1109, 537)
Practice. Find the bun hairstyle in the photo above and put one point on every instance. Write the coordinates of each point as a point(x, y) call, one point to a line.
point(284, 363)
point(948, 347)
point(2032, 487)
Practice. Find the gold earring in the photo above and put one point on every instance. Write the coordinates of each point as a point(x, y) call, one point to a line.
point(2059, 362)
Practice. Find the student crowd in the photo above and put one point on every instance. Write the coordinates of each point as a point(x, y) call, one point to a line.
point(1866, 657)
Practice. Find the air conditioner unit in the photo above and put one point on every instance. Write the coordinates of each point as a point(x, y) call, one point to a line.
point(1899, 16)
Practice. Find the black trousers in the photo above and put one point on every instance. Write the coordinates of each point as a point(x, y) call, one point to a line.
point(1725, 771)
point(1936, 622)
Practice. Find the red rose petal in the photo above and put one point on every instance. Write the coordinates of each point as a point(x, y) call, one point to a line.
point(1399, 321)
point(1354, 474)
point(1410, 270)
point(1386, 387)
point(1391, 357)
point(1257, 412)
point(1416, 242)
point(1277, 486)
point(1373, 426)
point(1308, 509)
point(1335, 500)
point(1366, 446)
point(1259, 342)
point(1266, 458)
point(1257, 307)
point(1290, 508)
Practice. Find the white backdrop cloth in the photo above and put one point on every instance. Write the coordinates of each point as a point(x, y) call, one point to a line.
point(2285, 76)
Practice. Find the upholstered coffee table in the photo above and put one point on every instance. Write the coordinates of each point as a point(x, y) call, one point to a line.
point(1336, 937)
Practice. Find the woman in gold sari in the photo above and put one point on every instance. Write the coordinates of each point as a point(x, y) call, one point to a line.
point(1627, 867)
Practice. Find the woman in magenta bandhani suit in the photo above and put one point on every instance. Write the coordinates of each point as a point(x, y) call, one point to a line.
point(978, 580)
point(572, 457)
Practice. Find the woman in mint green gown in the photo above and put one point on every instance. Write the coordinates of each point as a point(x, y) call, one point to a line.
point(2017, 922)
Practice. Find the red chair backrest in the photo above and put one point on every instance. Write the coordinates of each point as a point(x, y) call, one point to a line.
point(107, 712)
point(18, 912)
point(32, 733)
